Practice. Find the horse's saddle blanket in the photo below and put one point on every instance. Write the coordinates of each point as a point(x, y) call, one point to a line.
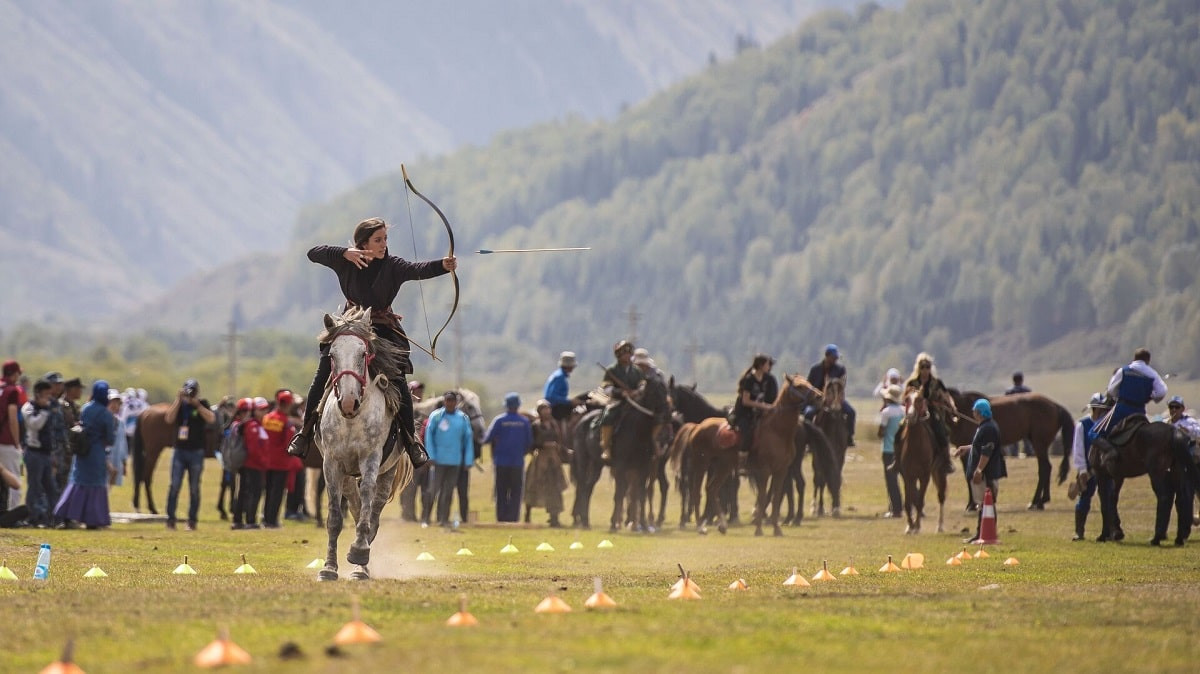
point(727, 436)
point(1125, 430)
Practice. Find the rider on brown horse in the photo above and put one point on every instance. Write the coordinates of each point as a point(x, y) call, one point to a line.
point(924, 378)
point(757, 390)
point(370, 278)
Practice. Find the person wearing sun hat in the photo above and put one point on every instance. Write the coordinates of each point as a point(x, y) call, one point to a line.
point(1086, 482)
point(889, 426)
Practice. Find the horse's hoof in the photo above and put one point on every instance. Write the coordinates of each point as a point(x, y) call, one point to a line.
point(360, 574)
point(153, 511)
point(703, 531)
point(758, 531)
point(358, 556)
point(778, 532)
point(327, 574)
point(1179, 542)
point(1156, 541)
point(721, 528)
point(1119, 535)
point(837, 512)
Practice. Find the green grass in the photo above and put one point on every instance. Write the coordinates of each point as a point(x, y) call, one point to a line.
point(1067, 607)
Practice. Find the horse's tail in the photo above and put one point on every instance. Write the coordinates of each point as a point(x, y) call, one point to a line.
point(1068, 442)
point(679, 445)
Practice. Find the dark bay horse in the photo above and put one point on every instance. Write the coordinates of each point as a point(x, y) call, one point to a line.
point(916, 455)
point(1026, 416)
point(775, 450)
point(810, 440)
point(633, 452)
point(1161, 451)
point(831, 420)
point(586, 466)
point(152, 434)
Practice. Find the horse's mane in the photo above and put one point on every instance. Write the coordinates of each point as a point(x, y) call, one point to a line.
point(389, 358)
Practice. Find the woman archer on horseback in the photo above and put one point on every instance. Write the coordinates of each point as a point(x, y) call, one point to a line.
point(924, 379)
point(757, 390)
point(370, 278)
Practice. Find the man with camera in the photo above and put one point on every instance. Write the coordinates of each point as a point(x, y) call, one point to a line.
point(190, 416)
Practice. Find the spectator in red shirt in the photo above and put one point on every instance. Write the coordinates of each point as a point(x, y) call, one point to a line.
point(278, 462)
point(250, 477)
point(10, 434)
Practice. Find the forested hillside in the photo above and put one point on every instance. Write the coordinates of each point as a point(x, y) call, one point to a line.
point(1010, 171)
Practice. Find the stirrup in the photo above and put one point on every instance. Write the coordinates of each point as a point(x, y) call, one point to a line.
point(416, 451)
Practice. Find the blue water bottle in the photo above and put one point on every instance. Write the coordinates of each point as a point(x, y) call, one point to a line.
point(42, 570)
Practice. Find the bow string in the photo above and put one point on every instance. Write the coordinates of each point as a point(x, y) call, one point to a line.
point(450, 234)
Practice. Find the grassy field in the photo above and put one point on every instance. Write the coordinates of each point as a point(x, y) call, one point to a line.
point(1066, 607)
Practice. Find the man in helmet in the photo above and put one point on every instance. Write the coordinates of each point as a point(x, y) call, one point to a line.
point(621, 380)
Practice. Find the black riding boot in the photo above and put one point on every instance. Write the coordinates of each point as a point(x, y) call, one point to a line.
point(1080, 521)
point(404, 428)
point(303, 440)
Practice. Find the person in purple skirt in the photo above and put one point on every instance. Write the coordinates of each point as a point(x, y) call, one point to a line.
point(85, 500)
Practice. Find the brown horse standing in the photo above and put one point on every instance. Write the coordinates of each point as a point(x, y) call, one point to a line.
point(704, 456)
point(1027, 416)
point(831, 420)
point(917, 453)
point(775, 447)
point(151, 436)
point(1161, 451)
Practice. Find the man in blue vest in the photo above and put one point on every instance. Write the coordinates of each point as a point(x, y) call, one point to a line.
point(1132, 387)
point(828, 369)
point(1087, 481)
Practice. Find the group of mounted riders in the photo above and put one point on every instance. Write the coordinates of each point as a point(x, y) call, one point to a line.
point(370, 278)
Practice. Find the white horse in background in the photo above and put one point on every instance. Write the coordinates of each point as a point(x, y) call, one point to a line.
point(354, 419)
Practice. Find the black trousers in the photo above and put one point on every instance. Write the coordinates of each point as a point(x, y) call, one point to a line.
point(295, 497)
point(325, 369)
point(446, 480)
point(508, 492)
point(464, 492)
point(276, 484)
point(250, 487)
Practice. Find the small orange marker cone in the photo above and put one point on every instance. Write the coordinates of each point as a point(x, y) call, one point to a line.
point(796, 579)
point(824, 574)
point(982, 554)
point(599, 599)
point(1011, 561)
point(889, 567)
point(850, 570)
point(685, 579)
point(964, 555)
point(954, 561)
point(356, 631)
point(913, 560)
point(463, 618)
point(552, 604)
point(65, 664)
point(987, 521)
point(739, 585)
point(221, 652)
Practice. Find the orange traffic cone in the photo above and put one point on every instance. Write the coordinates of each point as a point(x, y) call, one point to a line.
point(987, 521)
point(850, 570)
point(964, 555)
point(552, 604)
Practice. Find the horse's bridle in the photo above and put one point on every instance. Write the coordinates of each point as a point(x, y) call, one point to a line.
point(360, 378)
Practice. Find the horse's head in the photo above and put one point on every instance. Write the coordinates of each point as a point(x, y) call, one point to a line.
point(796, 391)
point(351, 350)
point(915, 405)
point(834, 394)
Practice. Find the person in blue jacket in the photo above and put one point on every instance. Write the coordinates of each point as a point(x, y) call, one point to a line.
point(449, 441)
point(86, 497)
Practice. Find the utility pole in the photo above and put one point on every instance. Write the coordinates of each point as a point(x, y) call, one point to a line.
point(633, 317)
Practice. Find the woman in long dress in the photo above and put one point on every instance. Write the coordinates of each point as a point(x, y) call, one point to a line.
point(544, 479)
point(85, 500)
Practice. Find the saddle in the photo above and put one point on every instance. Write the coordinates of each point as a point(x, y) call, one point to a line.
point(1124, 431)
point(727, 436)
